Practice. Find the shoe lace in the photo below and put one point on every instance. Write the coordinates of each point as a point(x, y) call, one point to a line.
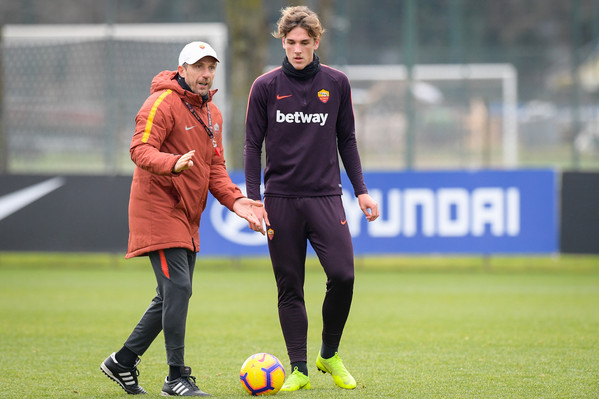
point(336, 365)
point(134, 373)
point(336, 360)
point(190, 382)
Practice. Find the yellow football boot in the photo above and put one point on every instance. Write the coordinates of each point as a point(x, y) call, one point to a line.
point(335, 367)
point(296, 381)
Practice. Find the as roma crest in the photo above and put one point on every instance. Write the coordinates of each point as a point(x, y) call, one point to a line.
point(323, 96)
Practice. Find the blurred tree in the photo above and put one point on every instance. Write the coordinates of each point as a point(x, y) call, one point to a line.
point(326, 12)
point(248, 46)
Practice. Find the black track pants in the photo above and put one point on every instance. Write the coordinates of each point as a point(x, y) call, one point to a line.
point(168, 311)
point(322, 222)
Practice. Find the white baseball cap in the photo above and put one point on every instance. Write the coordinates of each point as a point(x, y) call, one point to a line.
point(195, 51)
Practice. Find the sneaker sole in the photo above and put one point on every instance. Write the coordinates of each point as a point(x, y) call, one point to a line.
point(168, 394)
point(307, 386)
point(321, 368)
point(109, 374)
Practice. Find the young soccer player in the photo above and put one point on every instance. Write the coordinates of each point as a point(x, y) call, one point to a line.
point(303, 112)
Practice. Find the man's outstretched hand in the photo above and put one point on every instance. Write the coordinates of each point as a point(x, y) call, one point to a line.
point(251, 211)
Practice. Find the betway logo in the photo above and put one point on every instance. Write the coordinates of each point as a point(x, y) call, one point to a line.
point(300, 117)
point(445, 212)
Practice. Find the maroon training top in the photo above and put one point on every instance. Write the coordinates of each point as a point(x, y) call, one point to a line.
point(303, 122)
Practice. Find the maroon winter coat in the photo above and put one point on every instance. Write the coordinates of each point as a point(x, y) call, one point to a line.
point(165, 208)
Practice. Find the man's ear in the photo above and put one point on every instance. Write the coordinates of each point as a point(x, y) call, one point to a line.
point(316, 43)
point(181, 71)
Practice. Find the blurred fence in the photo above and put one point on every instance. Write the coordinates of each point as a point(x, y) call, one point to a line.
point(70, 96)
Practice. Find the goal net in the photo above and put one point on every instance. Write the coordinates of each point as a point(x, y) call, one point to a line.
point(463, 116)
point(71, 92)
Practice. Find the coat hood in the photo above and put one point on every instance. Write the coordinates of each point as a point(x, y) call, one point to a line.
point(167, 80)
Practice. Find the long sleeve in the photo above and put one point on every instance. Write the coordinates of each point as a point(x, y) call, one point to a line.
point(255, 128)
point(347, 143)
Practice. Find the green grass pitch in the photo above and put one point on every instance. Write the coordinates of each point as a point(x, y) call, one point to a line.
point(419, 327)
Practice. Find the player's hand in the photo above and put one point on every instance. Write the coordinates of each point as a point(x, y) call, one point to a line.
point(369, 207)
point(184, 162)
point(262, 216)
point(249, 210)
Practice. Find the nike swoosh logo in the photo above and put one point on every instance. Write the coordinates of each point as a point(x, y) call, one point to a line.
point(190, 127)
point(343, 222)
point(282, 97)
point(13, 202)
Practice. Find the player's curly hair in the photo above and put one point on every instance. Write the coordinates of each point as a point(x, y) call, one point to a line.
point(294, 16)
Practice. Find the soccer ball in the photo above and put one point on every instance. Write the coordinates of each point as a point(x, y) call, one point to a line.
point(262, 374)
